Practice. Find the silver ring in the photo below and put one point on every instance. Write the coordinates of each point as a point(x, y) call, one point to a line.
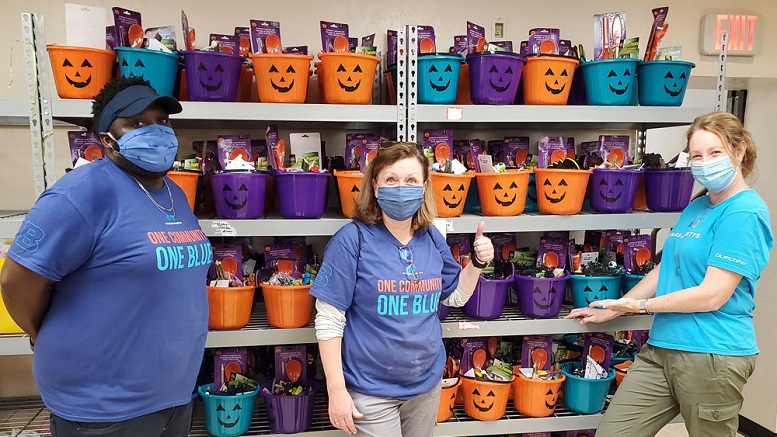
point(337, 422)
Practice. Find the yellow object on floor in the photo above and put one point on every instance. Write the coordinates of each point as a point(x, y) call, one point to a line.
point(7, 325)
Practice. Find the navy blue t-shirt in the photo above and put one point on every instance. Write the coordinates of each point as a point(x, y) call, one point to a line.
point(125, 332)
point(392, 342)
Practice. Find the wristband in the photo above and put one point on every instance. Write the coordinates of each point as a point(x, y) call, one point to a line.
point(477, 263)
point(643, 307)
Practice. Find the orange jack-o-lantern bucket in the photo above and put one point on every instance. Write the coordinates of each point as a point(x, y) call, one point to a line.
point(462, 91)
point(547, 79)
point(187, 180)
point(536, 397)
point(282, 78)
point(447, 400)
point(80, 72)
point(503, 194)
point(640, 200)
point(450, 192)
point(485, 400)
point(561, 191)
point(245, 83)
point(348, 77)
point(349, 185)
point(288, 306)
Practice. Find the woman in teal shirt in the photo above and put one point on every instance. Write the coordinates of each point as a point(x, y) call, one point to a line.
point(702, 346)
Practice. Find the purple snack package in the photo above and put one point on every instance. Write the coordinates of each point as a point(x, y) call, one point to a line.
point(552, 253)
point(391, 47)
point(599, 346)
point(425, 33)
point(330, 31)
point(434, 138)
point(537, 349)
point(563, 235)
point(614, 147)
point(284, 258)
point(565, 47)
point(198, 147)
point(570, 141)
point(352, 44)
point(259, 155)
point(302, 250)
point(464, 242)
point(260, 29)
point(224, 40)
point(550, 150)
point(460, 151)
point(367, 150)
point(110, 37)
point(469, 346)
point(295, 50)
point(496, 150)
point(636, 251)
point(353, 142)
point(85, 144)
point(544, 40)
point(232, 146)
point(229, 360)
point(581, 433)
point(524, 48)
point(225, 250)
point(516, 150)
point(368, 40)
point(272, 137)
point(476, 147)
point(284, 354)
point(475, 34)
point(504, 243)
point(240, 34)
point(122, 20)
point(460, 44)
point(640, 337)
point(507, 45)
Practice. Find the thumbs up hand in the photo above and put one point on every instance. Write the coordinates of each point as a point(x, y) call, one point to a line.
point(482, 248)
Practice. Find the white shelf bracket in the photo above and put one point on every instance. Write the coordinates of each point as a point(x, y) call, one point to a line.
point(720, 105)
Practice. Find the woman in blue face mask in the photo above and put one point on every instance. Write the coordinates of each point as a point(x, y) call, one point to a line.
point(702, 346)
point(378, 291)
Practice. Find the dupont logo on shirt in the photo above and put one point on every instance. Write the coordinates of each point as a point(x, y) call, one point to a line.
point(730, 259)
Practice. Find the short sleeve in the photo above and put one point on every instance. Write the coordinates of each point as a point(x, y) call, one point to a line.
point(742, 244)
point(336, 279)
point(54, 239)
point(450, 267)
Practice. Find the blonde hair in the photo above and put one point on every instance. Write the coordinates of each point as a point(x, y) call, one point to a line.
point(731, 132)
point(367, 209)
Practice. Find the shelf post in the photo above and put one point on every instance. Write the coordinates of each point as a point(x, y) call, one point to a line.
point(720, 105)
point(36, 135)
point(412, 74)
point(401, 91)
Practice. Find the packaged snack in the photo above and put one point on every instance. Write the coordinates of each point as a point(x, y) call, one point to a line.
point(438, 145)
point(615, 149)
point(259, 155)
point(599, 346)
point(552, 253)
point(544, 41)
point(231, 147)
point(123, 19)
point(84, 144)
point(226, 43)
point(537, 349)
point(227, 361)
point(286, 354)
point(550, 150)
point(330, 32)
point(476, 37)
point(507, 45)
point(260, 31)
point(516, 150)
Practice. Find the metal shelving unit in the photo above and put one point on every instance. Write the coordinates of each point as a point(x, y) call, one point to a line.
point(14, 112)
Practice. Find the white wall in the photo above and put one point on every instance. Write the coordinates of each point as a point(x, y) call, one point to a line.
point(299, 20)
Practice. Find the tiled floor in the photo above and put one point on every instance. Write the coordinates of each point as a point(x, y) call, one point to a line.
point(676, 430)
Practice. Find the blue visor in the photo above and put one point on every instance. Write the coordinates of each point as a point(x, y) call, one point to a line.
point(132, 101)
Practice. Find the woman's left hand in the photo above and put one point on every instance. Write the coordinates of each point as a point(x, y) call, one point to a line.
point(482, 247)
point(623, 305)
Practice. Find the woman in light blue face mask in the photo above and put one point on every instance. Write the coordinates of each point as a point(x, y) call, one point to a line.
point(702, 346)
point(378, 291)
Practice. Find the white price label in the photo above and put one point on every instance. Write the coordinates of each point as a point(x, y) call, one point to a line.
point(222, 228)
point(454, 113)
point(466, 326)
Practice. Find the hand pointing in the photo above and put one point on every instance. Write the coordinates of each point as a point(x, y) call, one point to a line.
point(482, 248)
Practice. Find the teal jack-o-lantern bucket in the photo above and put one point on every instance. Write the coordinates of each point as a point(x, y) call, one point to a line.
point(610, 81)
point(663, 83)
point(227, 416)
point(438, 78)
point(159, 68)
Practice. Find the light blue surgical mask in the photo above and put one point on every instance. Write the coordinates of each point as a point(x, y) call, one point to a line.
point(152, 148)
point(401, 202)
point(714, 175)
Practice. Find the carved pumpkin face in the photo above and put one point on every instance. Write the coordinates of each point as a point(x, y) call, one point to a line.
point(619, 84)
point(556, 81)
point(453, 198)
point(543, 299)
point(556, 192)
point(78, 75)
point(349, 76)
point(551, 397)
point(235, 199)
point(500, 80)
point(440, 76)
point(612, 193)
point(355, 192)
point(135, 65)
point(228, 412)
point(282, 80)
point(210, 75)
point(505, 197)
point(483, 403)
point(593, 295)
point(673, 86)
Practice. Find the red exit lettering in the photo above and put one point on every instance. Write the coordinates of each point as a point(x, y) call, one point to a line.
point(740, 28)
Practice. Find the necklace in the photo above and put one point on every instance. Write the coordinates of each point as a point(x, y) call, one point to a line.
point(168, 212)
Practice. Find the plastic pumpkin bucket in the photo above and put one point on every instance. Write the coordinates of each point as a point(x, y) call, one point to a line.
point(614, 190)
point(503, 194)
point(450, 192)
point(438, 78)
point(212, 76)
point(531, 398)
point(610, 81)
point(229, 307)
point(187, 180)
point(668, 189)
point(239, 195)
point(494, 77)
point(586, 289)
point(282, 78)
point(288, 306)
point(561, 191)
point(540, 88)
point(159, 68)
point(349, 185)
point(447, 400)
point(583, 395)
point(348, 77)
point(80, 72)
point(478, 405)
point(227, 416)
point(663, 83)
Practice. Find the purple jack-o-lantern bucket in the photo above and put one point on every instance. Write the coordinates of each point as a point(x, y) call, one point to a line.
point(613, 190)
point(239, 195)
point(212, 76)
point(290, 414)
point(443, 311)
point(301, 195)
point(488, 299)
point(541, 298)
point(494, 77)
point(668, 189)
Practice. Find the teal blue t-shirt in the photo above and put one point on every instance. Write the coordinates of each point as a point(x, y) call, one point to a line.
point(733, 235)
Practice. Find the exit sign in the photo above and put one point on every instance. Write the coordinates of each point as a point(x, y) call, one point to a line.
point(744, 33)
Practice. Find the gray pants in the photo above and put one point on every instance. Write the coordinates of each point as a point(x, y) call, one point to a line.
point(389, 417)
point(706, 389)
point(170, 422)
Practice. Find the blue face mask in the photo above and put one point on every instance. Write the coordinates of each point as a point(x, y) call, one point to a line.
point(714, 175)
point(401, 202)
point(152, 148)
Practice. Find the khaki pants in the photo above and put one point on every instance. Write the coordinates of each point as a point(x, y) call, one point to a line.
point(706, 389)
point(388, 417)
